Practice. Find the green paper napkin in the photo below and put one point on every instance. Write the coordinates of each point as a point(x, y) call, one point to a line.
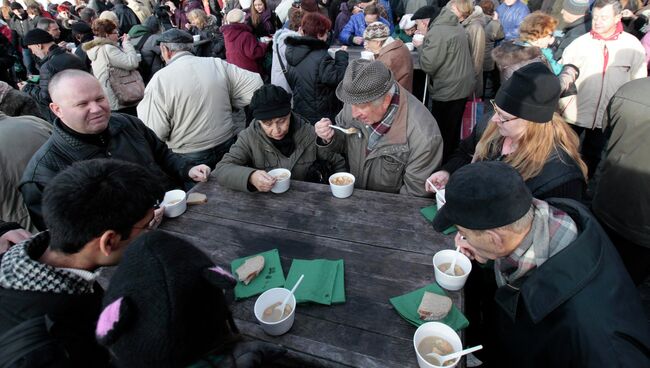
point(407, 307)
point(271, 276)
point(430, 212)
point(318, 284)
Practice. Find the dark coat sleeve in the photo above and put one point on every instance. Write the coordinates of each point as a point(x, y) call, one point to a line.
point(33, 195)
point(331, 71)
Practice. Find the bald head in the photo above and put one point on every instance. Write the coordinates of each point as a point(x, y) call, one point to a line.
point(79, 101)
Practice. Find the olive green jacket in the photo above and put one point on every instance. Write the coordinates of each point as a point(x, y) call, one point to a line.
point(404, 157)
point(254, 151)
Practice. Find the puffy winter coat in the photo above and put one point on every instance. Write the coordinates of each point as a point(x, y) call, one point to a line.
point(242, 48)
point(313, 76)
point(474, 26)
point(511, 17)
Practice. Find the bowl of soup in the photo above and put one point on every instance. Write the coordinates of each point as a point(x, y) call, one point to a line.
point(439, 338)
point(442, 262)
point(282, 181)
point(175, 203)
point(273, 322)
point(341, 184)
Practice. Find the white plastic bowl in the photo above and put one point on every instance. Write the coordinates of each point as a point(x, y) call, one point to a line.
point(175, 203)
point(447, 281)
point(440, 330)
point(268, 298)
point(281, 185)
point(342, 191)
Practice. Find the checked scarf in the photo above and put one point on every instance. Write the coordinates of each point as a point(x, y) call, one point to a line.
point(552, 231)
point(382, 127)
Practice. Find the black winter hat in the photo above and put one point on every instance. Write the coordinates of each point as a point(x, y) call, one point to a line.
point(426, 12)
point(165, 305)
point(270, 102)
point(484, 195)
point(532, 93)
point(16, 6)
point(81, 28)
point(37, 36)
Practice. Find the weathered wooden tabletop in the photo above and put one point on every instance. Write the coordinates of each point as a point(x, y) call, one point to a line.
point(355, 53)
point(387, 247)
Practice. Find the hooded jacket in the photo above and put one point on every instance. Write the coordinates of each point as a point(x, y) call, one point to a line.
point(578, 309)
point(493, 33)
point(104, 53)
point(474, 26)
point(242, 48)
point(355, 28)
point(445, 56)
point(254, 151)
point(313, 76)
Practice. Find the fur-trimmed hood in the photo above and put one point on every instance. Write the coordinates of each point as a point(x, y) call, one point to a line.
point(97, 41)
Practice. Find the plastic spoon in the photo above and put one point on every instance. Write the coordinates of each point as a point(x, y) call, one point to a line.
point(442, 359)
point(281, 307)
point(435, 189)
point(450, 270)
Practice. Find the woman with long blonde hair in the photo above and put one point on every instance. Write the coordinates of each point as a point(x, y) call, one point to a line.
point(526, 133)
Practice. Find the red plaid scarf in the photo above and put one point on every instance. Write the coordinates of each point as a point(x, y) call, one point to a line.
point(382, 127)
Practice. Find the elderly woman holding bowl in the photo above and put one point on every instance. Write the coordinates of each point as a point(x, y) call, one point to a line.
point(277, 138)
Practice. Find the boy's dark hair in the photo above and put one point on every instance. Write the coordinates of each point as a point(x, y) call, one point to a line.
point(371, 9)
point(93, 196)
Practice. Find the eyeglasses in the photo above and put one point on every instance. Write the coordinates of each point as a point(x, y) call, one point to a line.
point(501, 119)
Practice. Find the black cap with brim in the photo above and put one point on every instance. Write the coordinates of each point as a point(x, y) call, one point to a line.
point(426, 12)
point(482, 196)
point(37, 36)
point(175, 36)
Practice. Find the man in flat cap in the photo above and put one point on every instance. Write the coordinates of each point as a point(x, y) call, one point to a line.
point(562, 295)
point(398, 141)
point(53, 59)
point(188, 104)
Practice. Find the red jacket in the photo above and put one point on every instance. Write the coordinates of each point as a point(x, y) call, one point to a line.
point(242, 48)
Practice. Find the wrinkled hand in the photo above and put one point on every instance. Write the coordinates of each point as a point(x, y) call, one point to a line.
point(439, 179)
point(358, 40)
point(200, 173)
point(261, 180)
point(323, 130)
point(12, 237)
point(417, 42)
point(157, 217)
point(63, 45)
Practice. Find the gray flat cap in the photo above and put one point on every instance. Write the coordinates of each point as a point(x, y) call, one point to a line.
point(175, 36)
point(364, 81)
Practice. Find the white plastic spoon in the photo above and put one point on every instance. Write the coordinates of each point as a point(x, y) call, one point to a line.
point(281, 307)
point(442, 359)
point(450, 270)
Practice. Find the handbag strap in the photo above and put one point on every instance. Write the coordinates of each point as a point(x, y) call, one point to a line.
point(282, 66)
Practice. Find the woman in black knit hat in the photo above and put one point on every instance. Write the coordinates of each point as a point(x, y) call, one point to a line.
point(277, 138)
point(528, 134)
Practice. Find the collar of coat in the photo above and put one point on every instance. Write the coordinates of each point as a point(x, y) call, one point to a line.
point(75, 147)
point(563, 275)
point(97, 41)
point(311, 42)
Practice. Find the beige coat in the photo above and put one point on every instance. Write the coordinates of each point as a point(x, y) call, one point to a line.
point(397, 57)
point(626, 62)
point(188, 103)
point(404, 157)
point(141, 8)
point(103, 53)
point(475, 27)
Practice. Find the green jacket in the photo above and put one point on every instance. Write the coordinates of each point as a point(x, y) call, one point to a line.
point(404, 157)
point(445, 56)
point(254, 151)
point(623, 192)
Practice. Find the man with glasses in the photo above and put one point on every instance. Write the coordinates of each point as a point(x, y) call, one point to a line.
point(49, 297)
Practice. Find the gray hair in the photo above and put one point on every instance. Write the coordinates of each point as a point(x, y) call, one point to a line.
point(176, 47)
point(380, 100)
point(522, 224)
point(618, 8)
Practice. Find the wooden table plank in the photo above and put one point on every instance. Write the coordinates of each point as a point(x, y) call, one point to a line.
point(386, 245)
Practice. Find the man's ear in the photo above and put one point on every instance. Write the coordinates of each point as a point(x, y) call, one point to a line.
point(109, 242)
point(56, 109)
point(496, 238)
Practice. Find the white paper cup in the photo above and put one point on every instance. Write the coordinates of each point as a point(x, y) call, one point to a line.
point(418, 37)
point(439, 330)
point(440, 198)
point(196, 38)
point(409, 45)
point(368, 55)
point(341, 191)
point(175, 203)
point(268, 298)
point(447, 281)
point(283, 177)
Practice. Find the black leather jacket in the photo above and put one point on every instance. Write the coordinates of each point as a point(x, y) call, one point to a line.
point(130, 140)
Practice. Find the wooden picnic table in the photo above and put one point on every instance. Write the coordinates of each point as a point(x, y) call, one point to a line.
point(386, 244)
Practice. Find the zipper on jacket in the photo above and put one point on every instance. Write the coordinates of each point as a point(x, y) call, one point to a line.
point(602, 82)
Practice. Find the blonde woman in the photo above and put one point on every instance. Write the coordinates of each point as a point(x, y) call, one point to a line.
point(526, 133)
point(104, 51)
point(537, 30)
point(207, 27)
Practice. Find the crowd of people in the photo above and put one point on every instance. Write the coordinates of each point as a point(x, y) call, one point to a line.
point(105, 105)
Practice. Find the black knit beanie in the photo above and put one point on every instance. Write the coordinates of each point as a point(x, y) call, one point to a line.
point(532, 93)
point(270, 102)
point(37, 36)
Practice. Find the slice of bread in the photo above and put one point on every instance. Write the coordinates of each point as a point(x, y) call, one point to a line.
point(196, 198)
point(250, 269)
point(434, 307)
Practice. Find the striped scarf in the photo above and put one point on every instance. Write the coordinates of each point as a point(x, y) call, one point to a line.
point(552, 231)
point(382, 127)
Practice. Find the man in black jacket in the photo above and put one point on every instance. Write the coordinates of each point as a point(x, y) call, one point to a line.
point(49, 299)
point(85, 129)
point(125, 16)
point(563, 298)
point(53, 59)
